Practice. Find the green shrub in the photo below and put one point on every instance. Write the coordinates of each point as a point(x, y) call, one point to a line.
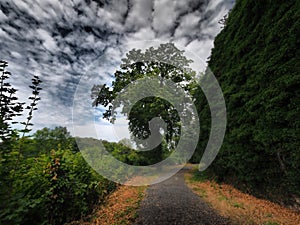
point(54, 189)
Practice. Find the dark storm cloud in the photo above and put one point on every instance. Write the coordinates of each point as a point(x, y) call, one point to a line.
point(62, 40)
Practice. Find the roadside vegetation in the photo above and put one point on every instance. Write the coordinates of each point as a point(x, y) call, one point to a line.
point(119, 208)
point(256, 61)
point(238, 207)
point(44, 178)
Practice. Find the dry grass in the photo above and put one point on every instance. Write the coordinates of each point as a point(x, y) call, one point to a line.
point(242, 208)
point(119, 208)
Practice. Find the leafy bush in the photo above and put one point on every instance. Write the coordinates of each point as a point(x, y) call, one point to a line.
point(54, 189)
point(39, 186)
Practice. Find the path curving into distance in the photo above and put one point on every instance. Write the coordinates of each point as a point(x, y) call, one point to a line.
point(173, 202)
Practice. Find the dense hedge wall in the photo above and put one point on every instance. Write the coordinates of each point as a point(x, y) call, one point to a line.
point(256, 61)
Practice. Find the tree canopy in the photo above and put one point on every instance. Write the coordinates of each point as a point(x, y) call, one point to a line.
point(166, 62)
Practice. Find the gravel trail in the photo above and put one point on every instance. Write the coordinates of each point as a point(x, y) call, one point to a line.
point(173, 202)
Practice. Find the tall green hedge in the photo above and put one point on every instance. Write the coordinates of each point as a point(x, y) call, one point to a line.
point(256, 61)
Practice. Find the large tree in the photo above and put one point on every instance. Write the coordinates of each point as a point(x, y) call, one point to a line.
point(166, 62)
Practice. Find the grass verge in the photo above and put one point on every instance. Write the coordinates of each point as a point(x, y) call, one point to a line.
point(239, 207)
point(120, 208)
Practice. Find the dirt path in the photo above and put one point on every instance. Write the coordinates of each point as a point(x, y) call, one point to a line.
point(172, 202)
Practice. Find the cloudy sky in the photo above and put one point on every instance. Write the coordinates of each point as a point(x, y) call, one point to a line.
point(73, 44)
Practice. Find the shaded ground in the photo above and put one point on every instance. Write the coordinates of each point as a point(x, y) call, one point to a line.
point(172, 202)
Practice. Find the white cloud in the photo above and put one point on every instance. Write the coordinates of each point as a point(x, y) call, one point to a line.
point(16, 54)
point(111, 18)
point(104, 132)
point(3, 34)
point(113, 54)
point(86, 41)
point(3, 17)
point(140, 15)
point(201, 50)
point(188, 25)
point(47, 39)
point(164, 15)
point(114, 132)
point(182, 41)
point(118, 9)
point(142, 35)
